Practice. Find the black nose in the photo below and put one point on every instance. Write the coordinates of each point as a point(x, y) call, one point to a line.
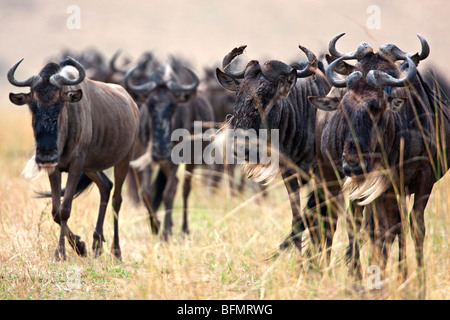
point(46, 156)
point(356, 168)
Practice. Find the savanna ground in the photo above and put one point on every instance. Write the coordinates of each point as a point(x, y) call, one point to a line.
point(226, 254)
point(224, 257)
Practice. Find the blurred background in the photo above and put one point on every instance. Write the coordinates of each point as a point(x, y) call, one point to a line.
point(203, 31)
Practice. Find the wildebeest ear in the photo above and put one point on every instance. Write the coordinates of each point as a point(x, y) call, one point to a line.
point(287, 85)
point(416, 59)
point(342, 67)
point(324, 103)
point(395, 104)
point(20, 98)
point(226, 81)
point(72, 96)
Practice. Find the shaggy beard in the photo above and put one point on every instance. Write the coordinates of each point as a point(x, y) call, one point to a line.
point(32, 171)
point(261, 173)
point(367, 188)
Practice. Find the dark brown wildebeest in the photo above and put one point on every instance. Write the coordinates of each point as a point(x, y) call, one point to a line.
point(221, 99)
point(81, 127)
point(274, 96)
point(144, 66)
point(222, 102)
point(389, 134)
point(168, 105)
point(92, 60)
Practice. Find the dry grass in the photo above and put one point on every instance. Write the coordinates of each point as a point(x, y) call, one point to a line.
point(224, 257)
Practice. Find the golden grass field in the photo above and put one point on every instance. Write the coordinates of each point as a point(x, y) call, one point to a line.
point(225, 255)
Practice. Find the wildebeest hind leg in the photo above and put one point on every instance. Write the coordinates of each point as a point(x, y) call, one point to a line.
point(120, 173)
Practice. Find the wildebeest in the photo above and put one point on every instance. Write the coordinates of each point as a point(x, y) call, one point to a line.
point(143, 68)
point(81, 127)
point(222, 102)
point(389, 134)
point(221, 99)
point(167, 105)
point(274, 96)
point(92, 60)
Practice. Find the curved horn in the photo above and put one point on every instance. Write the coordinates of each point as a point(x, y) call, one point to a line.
point(173, 86)
point(59, 80)
point(145, 60)
point(332, 46)
point(145, 87)
point(229, 58)
point(425, 48)
point(381, 79)
point(362, 50)
point(393, 53)
point(112, 63)
point(310, 69)
point(338, 83)
point(30, 82)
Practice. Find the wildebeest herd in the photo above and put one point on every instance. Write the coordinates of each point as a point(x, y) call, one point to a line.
point(373, 133)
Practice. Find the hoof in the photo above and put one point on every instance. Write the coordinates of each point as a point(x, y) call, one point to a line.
point(97, 248)
point(117, 254)
point(165, 236)
point(81, 249)
point(79, 246)
point(155, 229)
point(97, 245)
point(60, 255)
point(97, 252)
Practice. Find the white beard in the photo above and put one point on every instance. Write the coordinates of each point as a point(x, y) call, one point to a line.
point(368, 188)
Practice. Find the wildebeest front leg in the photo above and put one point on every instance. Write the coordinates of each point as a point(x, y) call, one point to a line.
point(424, 182)
point(104, 185)
point(168, 198)
point(292, 186)
point(64, 215)
point(74, 240)
point(187, 184)
point(146, 198)
point(354, 220)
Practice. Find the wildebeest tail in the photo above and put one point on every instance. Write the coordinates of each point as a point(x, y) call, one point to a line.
point(83, 183)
